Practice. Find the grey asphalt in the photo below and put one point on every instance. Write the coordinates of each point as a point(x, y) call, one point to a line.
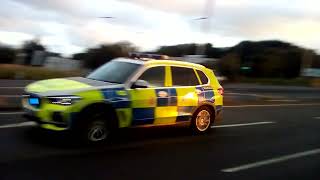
point(172, 153)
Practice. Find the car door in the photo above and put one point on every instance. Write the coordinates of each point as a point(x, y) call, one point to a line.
point(149, 104)
point(185, 82)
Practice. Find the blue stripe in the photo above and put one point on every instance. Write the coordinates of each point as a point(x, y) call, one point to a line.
point(173, 92)
point(219, 109)
point(162, 101)
point(142, 122)
point(143, 114)
point(173, 97)
point(208, 94)
point(111, 93)
point(173, 101)
point(121, 103)
point(118, 101)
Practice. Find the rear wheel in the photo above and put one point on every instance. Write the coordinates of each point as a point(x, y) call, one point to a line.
point(202, 120)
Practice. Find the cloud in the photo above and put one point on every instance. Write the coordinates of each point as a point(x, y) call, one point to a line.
point(73, 25)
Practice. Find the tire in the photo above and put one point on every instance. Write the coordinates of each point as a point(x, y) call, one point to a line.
point(95, 128)
point(202, 120)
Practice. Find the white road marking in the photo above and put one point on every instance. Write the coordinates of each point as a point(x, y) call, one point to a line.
point(271, 105)
point(9, 113)
point(10, 96)
point(282, 100)
point(272, 161)
point(23, 124)
point(244, 124)
point(12, 87)
point(256, 95)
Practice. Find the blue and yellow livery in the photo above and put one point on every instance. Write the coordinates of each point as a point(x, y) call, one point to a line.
point(127, 93)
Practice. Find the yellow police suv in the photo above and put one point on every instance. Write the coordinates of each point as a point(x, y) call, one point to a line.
point(127, 93)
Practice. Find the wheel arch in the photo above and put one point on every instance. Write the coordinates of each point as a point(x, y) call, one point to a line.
point(206, 104)
point(103, 107)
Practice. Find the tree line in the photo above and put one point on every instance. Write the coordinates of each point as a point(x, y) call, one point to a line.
point(252, 59)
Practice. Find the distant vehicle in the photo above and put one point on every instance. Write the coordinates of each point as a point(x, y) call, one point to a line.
point(127, 93)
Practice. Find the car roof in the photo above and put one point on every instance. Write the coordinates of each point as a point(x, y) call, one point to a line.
point(154, 62)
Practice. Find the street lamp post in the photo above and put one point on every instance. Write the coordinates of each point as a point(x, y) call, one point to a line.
point(200, 49)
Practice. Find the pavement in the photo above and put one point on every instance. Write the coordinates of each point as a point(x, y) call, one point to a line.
point(260, 140)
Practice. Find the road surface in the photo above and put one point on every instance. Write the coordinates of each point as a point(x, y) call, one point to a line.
point(252, 142)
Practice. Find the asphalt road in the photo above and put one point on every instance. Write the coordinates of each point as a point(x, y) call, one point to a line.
point(257, 134)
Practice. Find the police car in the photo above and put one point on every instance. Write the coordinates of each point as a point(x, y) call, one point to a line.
point(127, 93)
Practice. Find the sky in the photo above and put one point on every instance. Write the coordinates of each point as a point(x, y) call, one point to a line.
point(71, 26)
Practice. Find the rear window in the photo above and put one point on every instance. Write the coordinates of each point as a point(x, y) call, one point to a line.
point(202, 77)
point(183, 77)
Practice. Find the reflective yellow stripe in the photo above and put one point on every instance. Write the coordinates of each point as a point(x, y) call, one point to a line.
point(52, 127)
point(121, 93)
point(187, 96)
point(168, 77)
point(143, 98)
point(165, 115)
point(124, 116)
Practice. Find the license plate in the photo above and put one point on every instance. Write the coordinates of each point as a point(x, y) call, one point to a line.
point(34, 101)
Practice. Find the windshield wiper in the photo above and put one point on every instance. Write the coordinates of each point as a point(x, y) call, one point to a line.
point(104, 81)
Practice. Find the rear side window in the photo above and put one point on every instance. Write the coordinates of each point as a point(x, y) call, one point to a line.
point(154, 76)
point(183, 77)
point(202, 77)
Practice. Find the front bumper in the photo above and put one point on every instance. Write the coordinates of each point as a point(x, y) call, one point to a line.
point(51, 125)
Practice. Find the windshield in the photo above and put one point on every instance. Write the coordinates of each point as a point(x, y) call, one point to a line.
point(114, 72)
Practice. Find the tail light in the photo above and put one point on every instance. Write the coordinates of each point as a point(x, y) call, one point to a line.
point(221, 91)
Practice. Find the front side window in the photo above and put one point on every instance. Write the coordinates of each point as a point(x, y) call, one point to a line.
point(154, 76)
point(183, 77)
point(114, 72)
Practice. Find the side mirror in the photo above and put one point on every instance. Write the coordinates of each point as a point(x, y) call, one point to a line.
point(140, 84)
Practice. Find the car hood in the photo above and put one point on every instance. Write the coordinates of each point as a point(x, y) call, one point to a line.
point(62, 86)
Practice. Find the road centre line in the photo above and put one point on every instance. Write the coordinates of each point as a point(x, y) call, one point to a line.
point(23, 124)
point(282, 100)
point(11, 113)
point(14, 87)
point(244, 124)
point(256, 95)
point(271, 161)
point(9, 96)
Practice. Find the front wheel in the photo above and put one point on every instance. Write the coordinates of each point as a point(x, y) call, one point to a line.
point(94, 129)
point(97, 131)
point(202, 120)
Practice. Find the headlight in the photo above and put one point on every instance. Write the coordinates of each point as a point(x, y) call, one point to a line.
point(63, 100)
